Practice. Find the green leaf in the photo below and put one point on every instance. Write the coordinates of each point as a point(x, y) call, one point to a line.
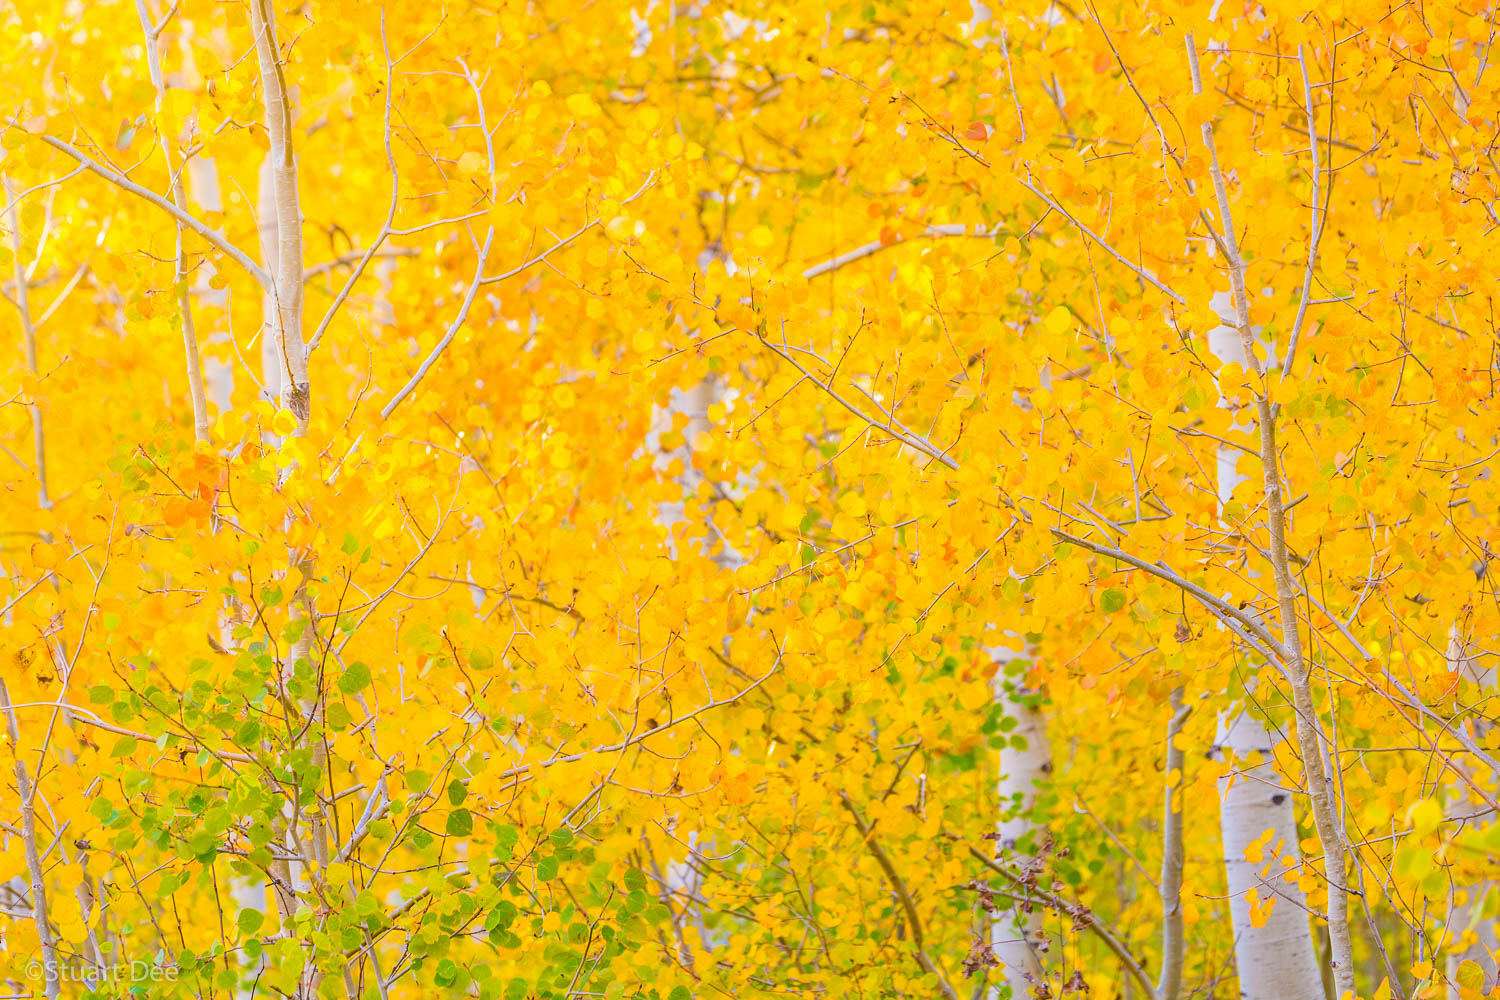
point(355, 678)
point(546, 869)
point(457, 792)
point(460, 823)
point(481, 658)
point(124, 747)
point(249, 921)
point(1112, 600)
point(351, 544)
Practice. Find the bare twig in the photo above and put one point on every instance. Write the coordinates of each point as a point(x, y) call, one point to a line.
point(898, 886)
point(27, 791)
point(213, 238)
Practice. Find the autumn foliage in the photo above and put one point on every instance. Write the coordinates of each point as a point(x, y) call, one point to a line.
point(682, 500)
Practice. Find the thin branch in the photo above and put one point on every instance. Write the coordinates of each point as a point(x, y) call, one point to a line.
point(651, 179)
point(1161, 572)
point(27, 791)
point(1172, 944)
point(898, 886)
point(28, 342)
point(214, 239)
point(1317, 220)
point(453, 328)
point(1139, 271)
point(869, 249)
point(1110, 939)
point(390, 215)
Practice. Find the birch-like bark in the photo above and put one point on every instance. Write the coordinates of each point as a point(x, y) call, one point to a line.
point(295, 389)
point(51, 973)
point(204, 188)
point(218, 372)
point(682, 882)
point(1280, 952)
point(202, 427)
point(285, 326)
point(266, 219)
point(1018, 937)
point(1275, 960)
point(1471, 934)
point(1311, 739)
point(28, 344)
point(1169, 986)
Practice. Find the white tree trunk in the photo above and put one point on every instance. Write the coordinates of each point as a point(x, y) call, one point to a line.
point(294, 389)
point(28, 339)
point(218, 371)
point(266, 218)
point(1471, 932)
point(1018, 937)
point(26, 792)
point(682, 882)
point(1276, 960)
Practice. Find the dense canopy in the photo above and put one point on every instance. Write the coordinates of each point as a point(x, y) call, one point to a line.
point(683, 500)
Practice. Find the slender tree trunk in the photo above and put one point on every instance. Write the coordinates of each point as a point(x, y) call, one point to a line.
point(1279, 955)
point(201, 424)
point(266, 220)
point(682, 882)
point(28, 344)
point(1311, 739)
point(295, 395)
point(204, 188)
point(1472, 924)
point(1169, 986)
point(286, 275)
point(218, 373)
point(1276, 960)
point(1018, 937)
point(51, 973)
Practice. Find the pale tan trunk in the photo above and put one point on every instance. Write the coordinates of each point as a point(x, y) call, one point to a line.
point(284, 323)
point(202, 426)
point(28, 343)
point(1471, 934)
point(1311, 738)
point(1276, 960)
point(51, 972)
point(1018, 937)
point(294, 389)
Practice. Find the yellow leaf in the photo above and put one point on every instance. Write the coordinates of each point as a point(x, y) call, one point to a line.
point(1470, 977)
point(283, 423)
point(582, 106)
point(623, 229)
point(1424, 817)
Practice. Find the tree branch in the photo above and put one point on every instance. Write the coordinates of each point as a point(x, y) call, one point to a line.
point(27, 791)
point(899, 888)
point(124, 183)
point(1172, 945)
point(1111, 941)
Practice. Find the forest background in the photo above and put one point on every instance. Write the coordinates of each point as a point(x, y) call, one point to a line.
point(786, 499)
